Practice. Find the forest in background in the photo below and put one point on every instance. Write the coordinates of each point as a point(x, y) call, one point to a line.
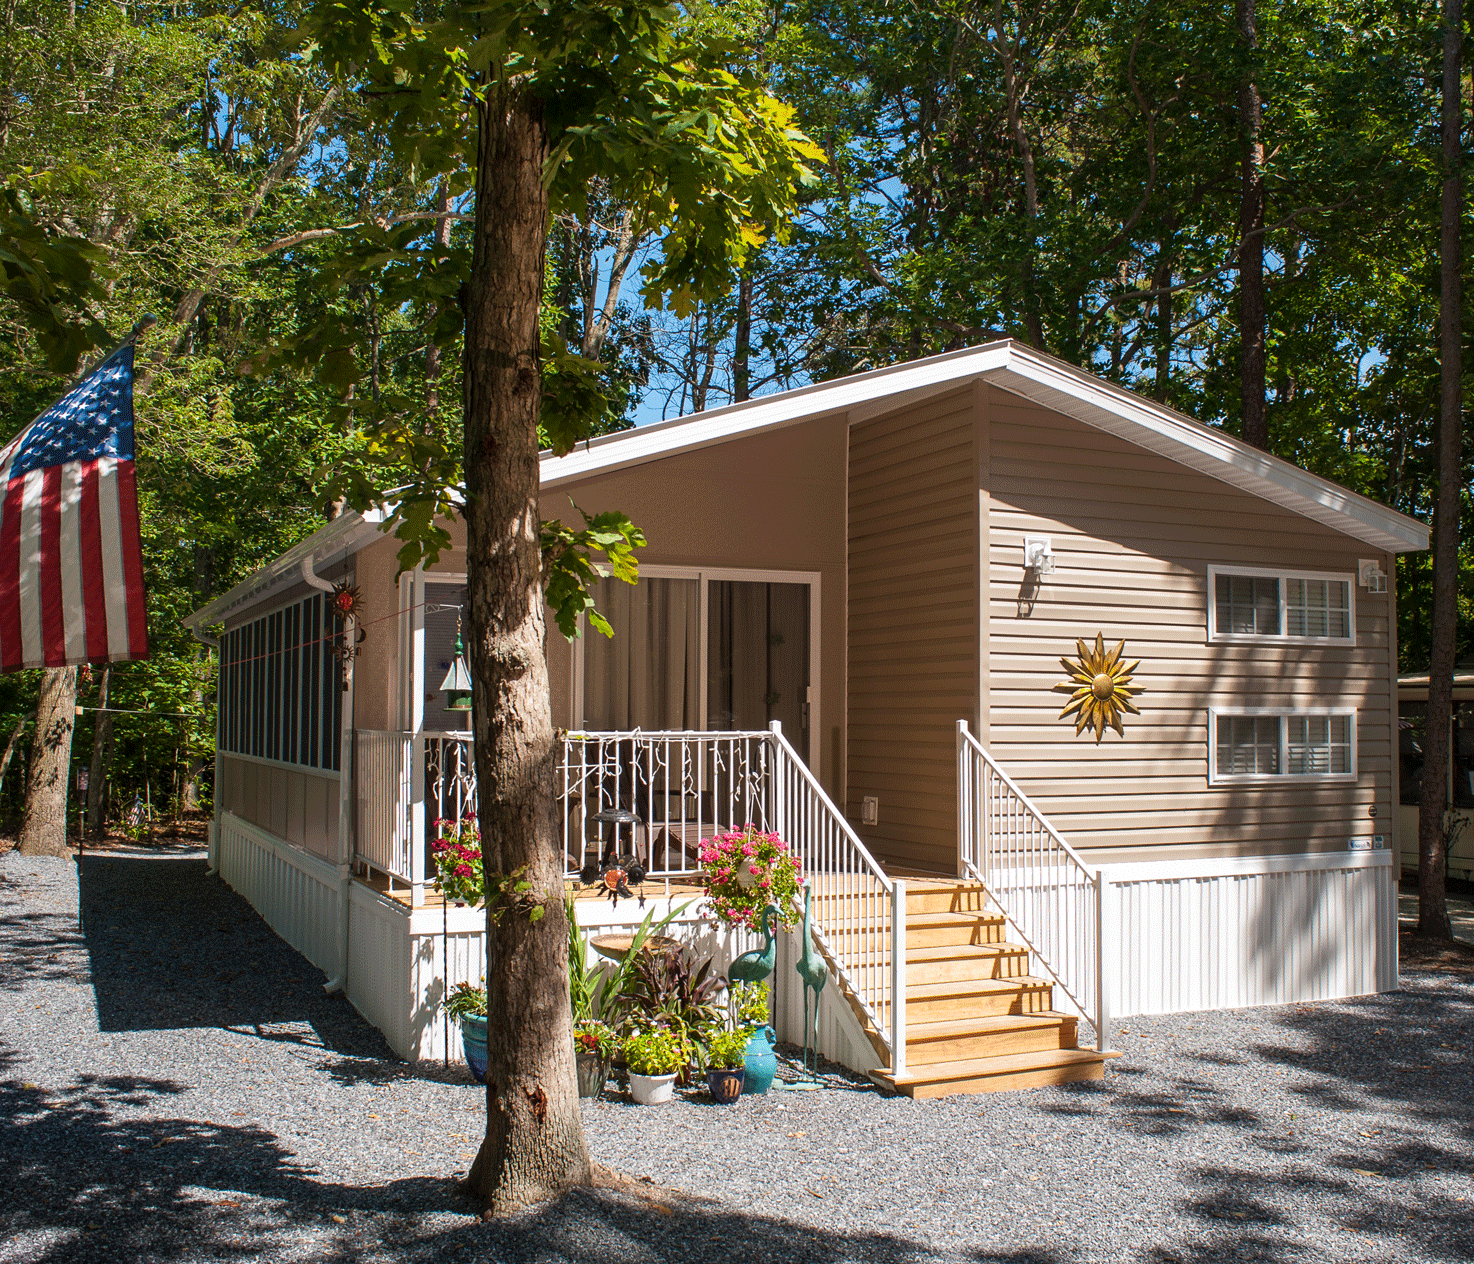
point(1070, 176)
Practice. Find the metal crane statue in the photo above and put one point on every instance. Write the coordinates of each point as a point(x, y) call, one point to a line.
point(755, 966)
point(815, 974)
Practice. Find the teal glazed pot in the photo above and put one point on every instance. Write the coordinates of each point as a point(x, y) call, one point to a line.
point(473, 1041)
point(758, 1060)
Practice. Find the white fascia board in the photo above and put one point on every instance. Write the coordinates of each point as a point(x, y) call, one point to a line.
point(346, 534)
point(1041, 378)
point(1179, 438)
point(771, 412)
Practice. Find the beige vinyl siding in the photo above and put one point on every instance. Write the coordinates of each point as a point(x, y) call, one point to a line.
point(912, 622)
point(766, 502)
point(1133, 535)
point(298, 805)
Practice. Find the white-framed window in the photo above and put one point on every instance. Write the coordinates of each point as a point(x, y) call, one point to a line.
point(1261, 745)
point(1247, 603)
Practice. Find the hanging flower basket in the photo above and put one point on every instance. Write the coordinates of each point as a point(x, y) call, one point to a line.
point(456, 852)
point(746, 870)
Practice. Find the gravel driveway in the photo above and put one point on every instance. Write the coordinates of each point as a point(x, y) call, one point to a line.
point(175, 1087)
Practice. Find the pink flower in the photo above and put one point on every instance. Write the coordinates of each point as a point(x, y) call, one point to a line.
point(754, 869)
point(765, 884)
point(463, 871)
point(748, 849)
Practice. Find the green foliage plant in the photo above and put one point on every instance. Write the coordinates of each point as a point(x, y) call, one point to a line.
point(593, 1036)
point(466, 999)
point(670, 989)
point(724, 1049)
point(751, 1005)
point(657, 1051)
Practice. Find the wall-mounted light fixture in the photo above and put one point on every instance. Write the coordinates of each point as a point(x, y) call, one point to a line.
point(1038, 554)
point(1371, 576)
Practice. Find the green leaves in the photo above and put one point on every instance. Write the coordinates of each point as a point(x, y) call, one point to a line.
point(55, 280)
point(570, 568)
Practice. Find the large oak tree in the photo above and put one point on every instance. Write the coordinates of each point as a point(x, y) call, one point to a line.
point(539, 101)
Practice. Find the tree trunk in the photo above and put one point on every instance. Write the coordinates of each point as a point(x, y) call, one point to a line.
point(534, 1146)
point(1433, 920)
point(10, 746)
point(1255, 427)
point(741, 355)
point(102, 758)
point(43, 828)
point(1162, 281)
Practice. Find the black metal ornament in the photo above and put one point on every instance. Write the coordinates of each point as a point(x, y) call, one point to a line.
point(616, 874)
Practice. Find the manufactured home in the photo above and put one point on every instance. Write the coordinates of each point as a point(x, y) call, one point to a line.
point(862, 609)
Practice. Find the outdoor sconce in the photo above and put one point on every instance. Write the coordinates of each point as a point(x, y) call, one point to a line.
point(457, 683)
point(1038, 555)
point(1371, 576)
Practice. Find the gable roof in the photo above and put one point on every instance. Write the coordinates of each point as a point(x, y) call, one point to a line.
point(1045, 380)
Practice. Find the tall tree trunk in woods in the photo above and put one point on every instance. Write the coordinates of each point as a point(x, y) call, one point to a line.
point(1162, 281)
point(102, 759)
point(43, 828)
point(1255, 428)
point(432, 352)
point(10, 746)
point(1433, 920)
point(534, 1146)
point(741, 355)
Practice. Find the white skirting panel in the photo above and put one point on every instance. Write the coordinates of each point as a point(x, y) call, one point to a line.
point(295, 893)
point(1249, 931)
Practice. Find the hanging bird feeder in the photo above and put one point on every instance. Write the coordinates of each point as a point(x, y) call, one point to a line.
point(457, 683)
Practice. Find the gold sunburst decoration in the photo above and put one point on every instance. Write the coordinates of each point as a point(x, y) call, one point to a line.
point(1100, 686)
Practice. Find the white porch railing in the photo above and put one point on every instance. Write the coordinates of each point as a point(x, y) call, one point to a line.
point(1049, 895)
point(657, 796)
point(383, 768)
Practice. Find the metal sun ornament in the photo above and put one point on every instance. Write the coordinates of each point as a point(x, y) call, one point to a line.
point(1101, 687)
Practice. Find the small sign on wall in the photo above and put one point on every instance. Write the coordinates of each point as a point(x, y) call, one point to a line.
point(1373, 843)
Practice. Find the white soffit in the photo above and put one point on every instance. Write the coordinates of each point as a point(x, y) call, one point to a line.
point(345, 534)
point(1041, 378)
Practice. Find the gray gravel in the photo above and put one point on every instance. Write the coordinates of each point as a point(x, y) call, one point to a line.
point(174, 1087)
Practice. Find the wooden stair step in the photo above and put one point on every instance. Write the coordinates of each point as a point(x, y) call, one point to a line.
point(965, 961)
point(1019, 994)
point(996, 1075)
point(986, 1036)
point(944, 897)
point(936, 929)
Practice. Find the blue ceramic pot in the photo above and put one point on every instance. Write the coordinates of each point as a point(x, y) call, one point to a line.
point(758, 1060)
point(725, 1086)
point(473, 1041)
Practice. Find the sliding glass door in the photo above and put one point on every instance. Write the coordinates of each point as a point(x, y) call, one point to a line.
point(701, 650)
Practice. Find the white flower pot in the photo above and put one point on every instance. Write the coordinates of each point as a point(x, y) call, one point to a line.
point(652, 1090)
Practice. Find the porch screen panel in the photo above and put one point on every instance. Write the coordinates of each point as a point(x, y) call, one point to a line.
point(648, 675)
point(280, 689)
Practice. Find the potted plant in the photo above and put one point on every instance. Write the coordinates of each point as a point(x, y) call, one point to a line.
point(594, 1043)
point(746, 870)
point(456, 851)
point(653, 1058)
point(467, 1005)
point(726, 1064)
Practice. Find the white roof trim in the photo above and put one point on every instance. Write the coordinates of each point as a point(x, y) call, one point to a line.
point(1035, 376)
point(344, 535)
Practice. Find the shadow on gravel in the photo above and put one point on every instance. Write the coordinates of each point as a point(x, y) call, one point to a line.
point(169, 948)
point(85, 1184)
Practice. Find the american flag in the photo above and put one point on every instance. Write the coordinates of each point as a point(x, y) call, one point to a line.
point(71, 575)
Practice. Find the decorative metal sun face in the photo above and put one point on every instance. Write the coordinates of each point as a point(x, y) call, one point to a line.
point(1100, 688)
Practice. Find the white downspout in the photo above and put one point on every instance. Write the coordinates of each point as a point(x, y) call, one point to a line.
point(345, 787)
point(212, 866)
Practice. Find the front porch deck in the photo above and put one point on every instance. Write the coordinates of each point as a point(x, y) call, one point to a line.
point(661, 889)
